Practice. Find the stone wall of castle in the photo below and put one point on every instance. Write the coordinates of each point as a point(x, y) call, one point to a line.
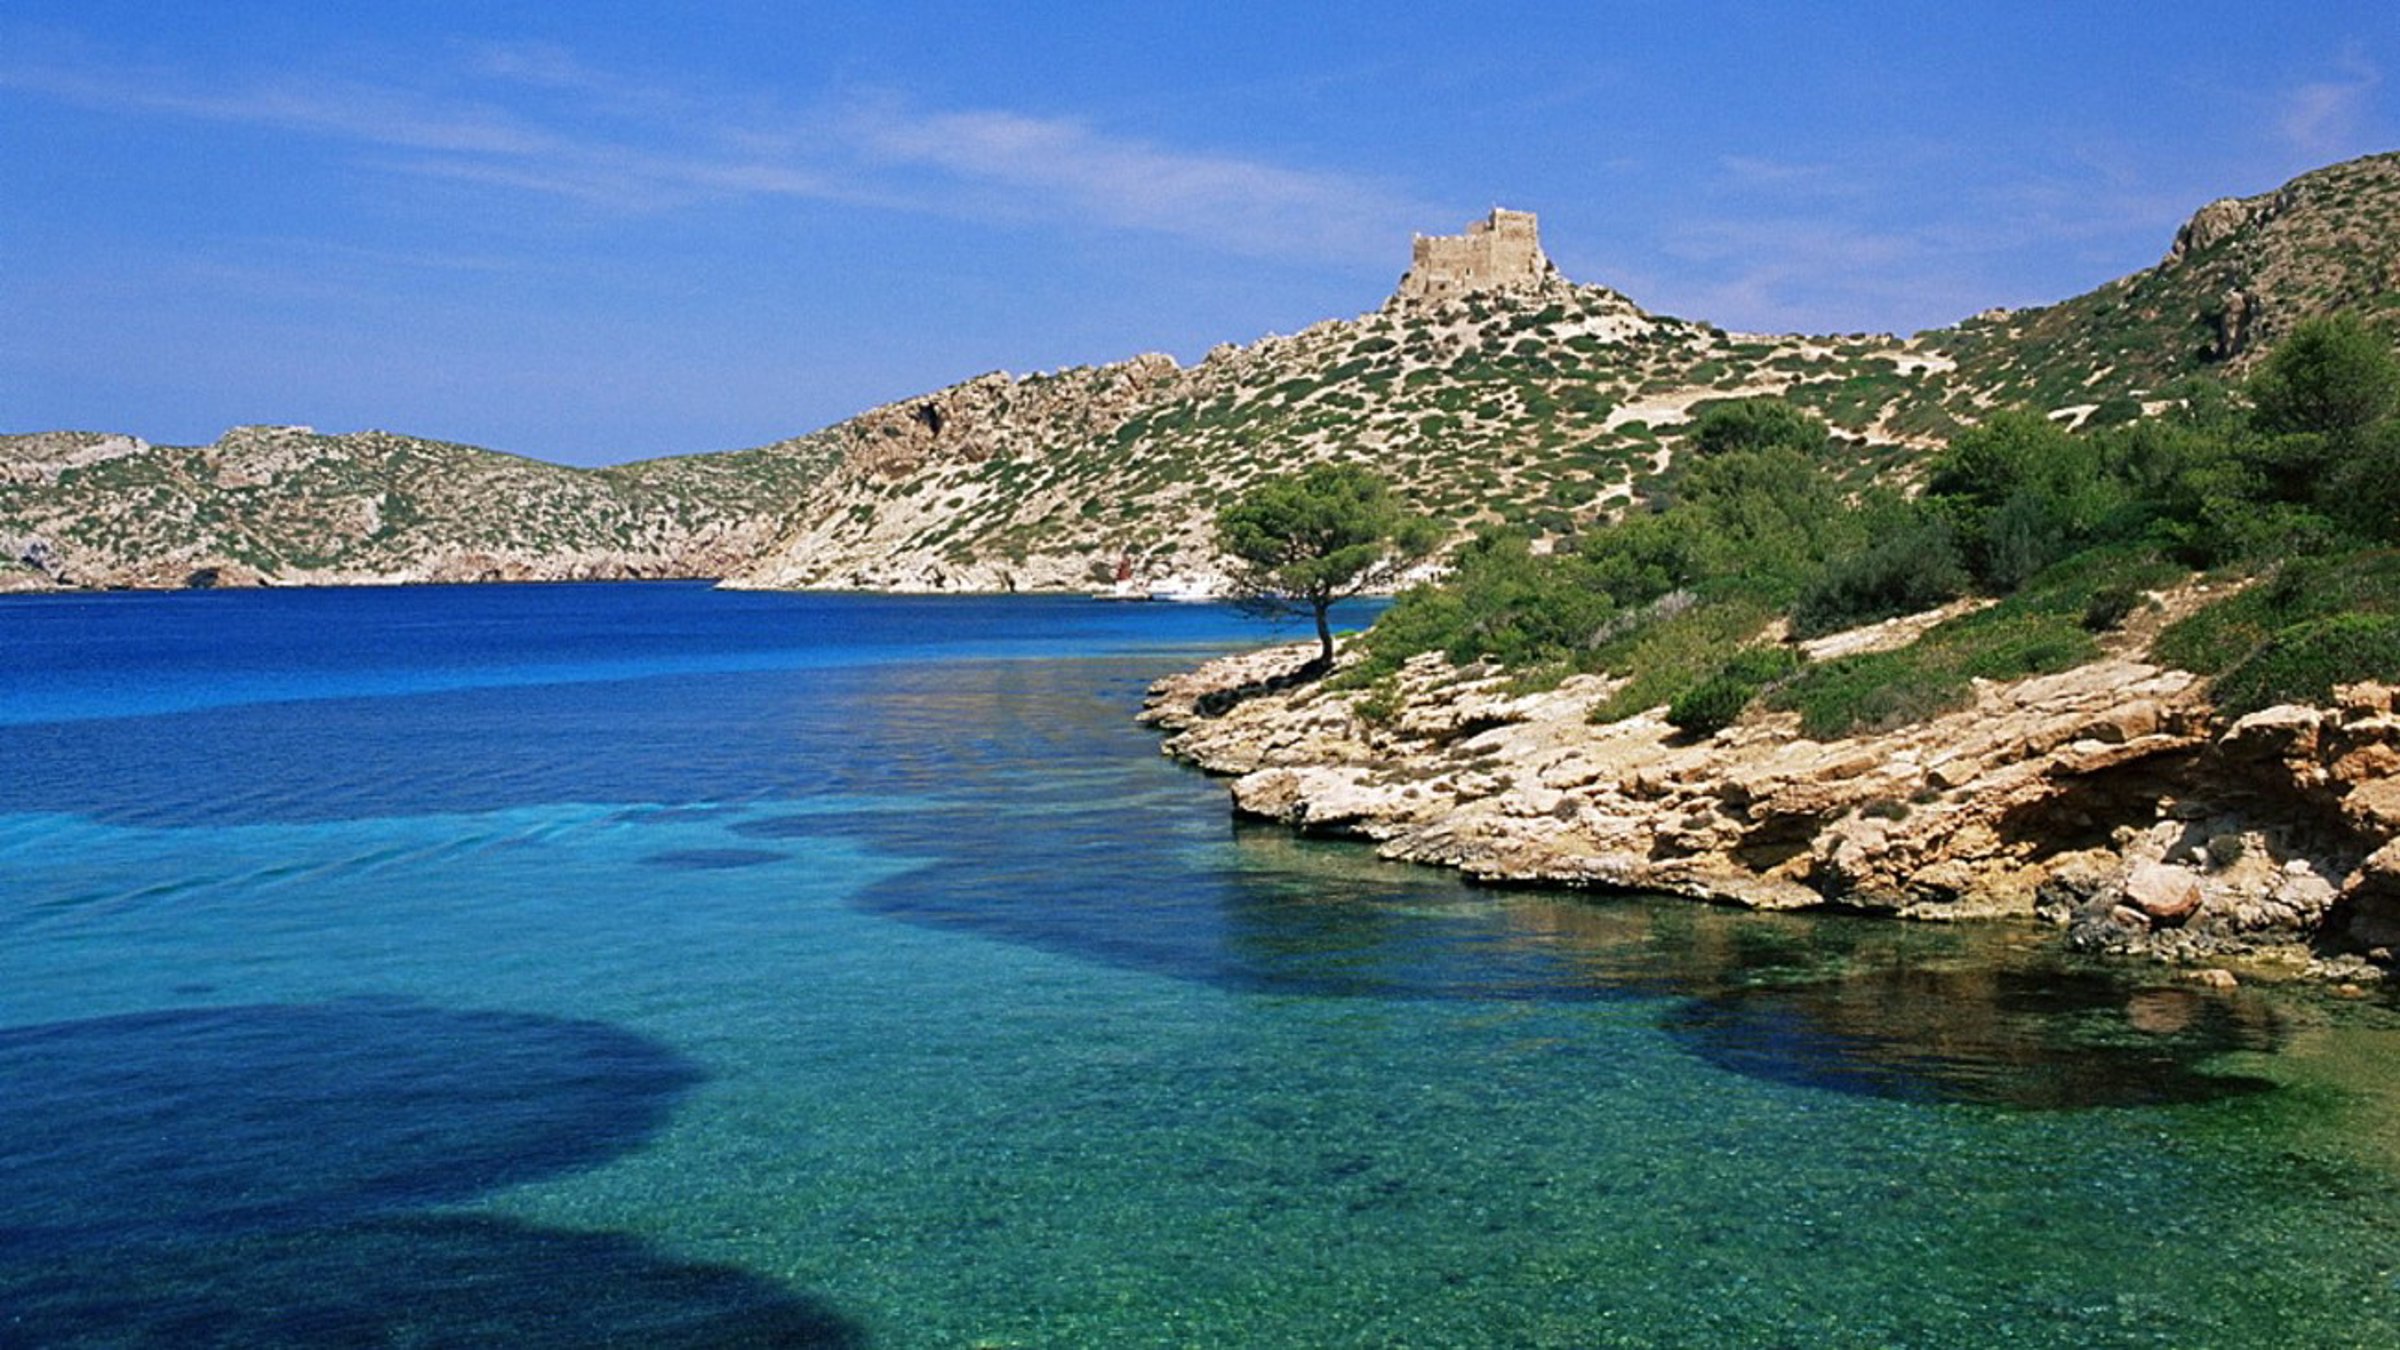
point(1501, 252)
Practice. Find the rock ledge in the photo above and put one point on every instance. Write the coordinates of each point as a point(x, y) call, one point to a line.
point(2107, 800)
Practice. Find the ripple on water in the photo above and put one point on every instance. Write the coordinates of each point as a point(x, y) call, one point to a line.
point(712, 859)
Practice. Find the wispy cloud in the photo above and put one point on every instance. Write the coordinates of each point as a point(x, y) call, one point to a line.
point(534, 119)
point(1069, 167)
point(325, 107)
point(2320, 118)
point(1761, 172)
point(1804, 274)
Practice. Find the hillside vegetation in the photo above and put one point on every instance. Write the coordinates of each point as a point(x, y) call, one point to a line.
point(2049, 538)
point(1548, 413)
point(288, 505)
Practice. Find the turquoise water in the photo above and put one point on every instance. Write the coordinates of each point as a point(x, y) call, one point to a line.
point(653, 965)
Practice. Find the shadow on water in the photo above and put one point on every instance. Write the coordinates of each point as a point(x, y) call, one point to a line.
point(269, 1114)
point(712, 859)
point(1102, 858)
point(1042, 816)
point(2035, 1039)
point(429, 1281)
point(258, 1176)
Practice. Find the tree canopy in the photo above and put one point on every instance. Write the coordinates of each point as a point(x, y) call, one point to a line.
point(1758, 424)
point(2333, 376)
point(1322, 535)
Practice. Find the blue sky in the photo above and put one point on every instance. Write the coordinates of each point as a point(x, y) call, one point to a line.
point(600, 231)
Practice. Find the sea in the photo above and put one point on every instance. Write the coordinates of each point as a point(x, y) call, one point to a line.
point(656, 965)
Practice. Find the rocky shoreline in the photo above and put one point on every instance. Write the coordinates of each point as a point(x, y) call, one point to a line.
point(2109, 800)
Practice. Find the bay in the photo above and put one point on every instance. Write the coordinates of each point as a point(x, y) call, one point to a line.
point(661, 965)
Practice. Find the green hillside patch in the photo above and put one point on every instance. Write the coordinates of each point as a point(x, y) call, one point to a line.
point(1876, 691)
point(2294, 635)
point(2307, 661)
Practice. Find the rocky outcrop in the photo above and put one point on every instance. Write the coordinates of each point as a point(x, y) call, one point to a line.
point(2105, 799)
point(2210, 226)
point(1491, 389)
point(277, 505)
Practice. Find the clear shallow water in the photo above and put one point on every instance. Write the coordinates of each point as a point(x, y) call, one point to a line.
point(551, 965)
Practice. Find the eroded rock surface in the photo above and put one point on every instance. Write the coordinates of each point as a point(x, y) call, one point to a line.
point(2107, 799)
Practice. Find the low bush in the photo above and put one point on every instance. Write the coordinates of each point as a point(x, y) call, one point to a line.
point(2303, 663)
point(1912, 566)
point(1716, 702)
point(2110, 607)
point(2075, 586)
point(1871, 692)
point(1380, 704)
point(1672, 653)
point(1501, 602)
point(1711, 705)
point(2214, 638)
point(1876, 691)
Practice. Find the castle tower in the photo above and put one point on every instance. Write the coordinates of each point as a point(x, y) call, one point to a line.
point(1501, 252)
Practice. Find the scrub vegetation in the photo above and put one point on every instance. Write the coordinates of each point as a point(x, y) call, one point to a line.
point(2055, 538)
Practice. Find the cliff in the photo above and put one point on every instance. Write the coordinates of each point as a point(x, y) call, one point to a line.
point(2107, 800)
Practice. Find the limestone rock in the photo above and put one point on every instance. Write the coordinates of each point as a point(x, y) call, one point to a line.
point(2374, 890)
point(2282, 732)
point(2163, 893)
point(2187, 844)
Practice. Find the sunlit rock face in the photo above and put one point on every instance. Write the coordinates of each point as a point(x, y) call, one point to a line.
point(2104, 799)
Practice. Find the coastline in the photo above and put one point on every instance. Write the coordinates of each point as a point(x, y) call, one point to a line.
point(2107, 801)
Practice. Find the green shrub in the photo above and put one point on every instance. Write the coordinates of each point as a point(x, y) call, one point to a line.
point(2073, 586)
point(1871, 692)
point(1769, 519)
point(2214, 638)
point(2333, 376)
point(1501, 602)
point(2023, 493)
point(1876, 691)
point(1673, 649)
point(1764, 664)
point(2110, 607)
point(1755, 424)
point(1912, 567)
point(2224, 850)
point(2303, 663)
point(1717, 701)
point(1711, 705)
point(1380, 704)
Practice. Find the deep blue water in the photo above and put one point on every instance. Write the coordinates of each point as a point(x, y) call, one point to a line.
point(664, 966)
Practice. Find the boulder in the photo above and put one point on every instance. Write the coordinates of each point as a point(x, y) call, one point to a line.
point(2373, 808)
point(2162, 892)
point(2284, 732)
point(2374, 890)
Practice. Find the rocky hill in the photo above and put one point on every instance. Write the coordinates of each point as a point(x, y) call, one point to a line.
point(289, 506)
point(1489, 387)
point(2240, 274)
point(1545, 408)
point(1523, 398)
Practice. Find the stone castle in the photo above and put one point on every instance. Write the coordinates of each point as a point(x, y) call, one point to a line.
point(1501, 252)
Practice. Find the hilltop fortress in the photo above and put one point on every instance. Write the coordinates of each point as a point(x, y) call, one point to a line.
point(1501, 252)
